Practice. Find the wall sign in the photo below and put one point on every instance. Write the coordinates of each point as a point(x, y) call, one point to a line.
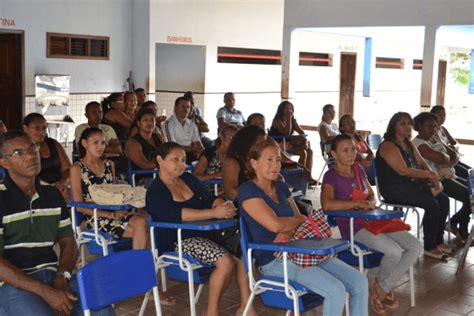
point(7, 22)
point(179, 39)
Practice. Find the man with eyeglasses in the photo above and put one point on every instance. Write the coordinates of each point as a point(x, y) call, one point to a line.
point(33, 217)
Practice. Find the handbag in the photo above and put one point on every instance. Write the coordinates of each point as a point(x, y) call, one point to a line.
point(376, 226)
point(315, 225)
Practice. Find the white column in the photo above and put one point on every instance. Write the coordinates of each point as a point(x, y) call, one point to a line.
point(429, 74)
point(289, 62)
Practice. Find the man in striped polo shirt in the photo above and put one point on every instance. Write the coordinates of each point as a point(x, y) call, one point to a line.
point(33, 217)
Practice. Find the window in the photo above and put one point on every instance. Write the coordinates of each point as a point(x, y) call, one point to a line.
point(315, 59)
point(390, 63)
point(77, 46)
point(417, 64)
point(235, 55)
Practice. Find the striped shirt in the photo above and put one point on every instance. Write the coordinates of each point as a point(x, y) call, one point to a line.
point(29, 227)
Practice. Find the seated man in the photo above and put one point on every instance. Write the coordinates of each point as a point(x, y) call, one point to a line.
point(94, 117)
point(33, 217)
point(228, 115)
point(196, 117)
point(180, 129)
point(141, 97)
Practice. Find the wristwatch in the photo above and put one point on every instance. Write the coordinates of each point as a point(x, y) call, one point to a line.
point(65, 274)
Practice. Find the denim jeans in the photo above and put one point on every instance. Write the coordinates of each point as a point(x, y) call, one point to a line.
point(400, 249)
point(331, 279)
point(457, 189)
point(14, 301)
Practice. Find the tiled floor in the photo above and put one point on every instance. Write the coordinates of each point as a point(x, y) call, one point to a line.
point(438, 291)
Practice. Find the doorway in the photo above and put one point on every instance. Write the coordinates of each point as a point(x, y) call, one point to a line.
point(441, 86)
point(347, 83)
point(11, 79)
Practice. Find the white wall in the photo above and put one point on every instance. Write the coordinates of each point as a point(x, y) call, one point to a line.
point(339, 13)
point(180, 67)
point(111, 18)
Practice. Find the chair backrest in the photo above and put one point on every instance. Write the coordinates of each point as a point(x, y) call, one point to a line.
point(374, 173)
point(75, 151)
point(116, 277)
point(374, 141)
point(244, 241)
point(2, 174)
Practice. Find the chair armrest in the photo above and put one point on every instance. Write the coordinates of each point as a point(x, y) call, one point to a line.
point(118, 207)
point(218, 181)
point(297, 170)
point(314, 246)
point(144, 171)
point(377, 214)
point(207, 225)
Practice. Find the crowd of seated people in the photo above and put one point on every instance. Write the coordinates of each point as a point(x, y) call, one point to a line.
point(421, 172)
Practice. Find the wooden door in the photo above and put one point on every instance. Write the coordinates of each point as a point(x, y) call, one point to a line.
point(347, 83)
point(11, 80)
point(441, 87)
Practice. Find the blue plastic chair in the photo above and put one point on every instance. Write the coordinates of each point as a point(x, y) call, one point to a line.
point(133, 172)
point(394, 206)
point(374, 141)
point(98, 242)
point(470, 187)
point(282, 293)
point(181, 267)
point(117, 277)
point(361, 256)
point(214, 182)
point(2, 174)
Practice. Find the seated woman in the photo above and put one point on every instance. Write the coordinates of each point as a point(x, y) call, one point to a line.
point(271, 215)
point(113, 108)
point(442, 159)
point(131, 103)
point(256, 119)
point(209, 165)
point(405, 178)
point(54, 161)
point(400, 249)
point(92, 169)
point(327, 128)
point(141, 147)
point(285, 125)
point(151, 105)
point(445, 137)
point(234, 164)
point(365, 156)
point(178, 196)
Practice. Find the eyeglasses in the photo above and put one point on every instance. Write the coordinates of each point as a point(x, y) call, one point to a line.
point(32, 150)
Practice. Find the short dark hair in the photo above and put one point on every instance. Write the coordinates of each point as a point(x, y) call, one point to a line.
point(91, 104)
point(164, 149)
point(339, 138)
point(88, 132)
point(137, 90)
point(10, 135)
point(437, 108)
point(176, 102)
point(31, 117)
point(422, 118)
point(144, 112)
point(253, 116)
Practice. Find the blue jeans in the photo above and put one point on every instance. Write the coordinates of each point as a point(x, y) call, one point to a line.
point(331, 279)
point(14, 301)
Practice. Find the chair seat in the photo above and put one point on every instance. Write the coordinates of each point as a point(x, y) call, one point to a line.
point(370, 261)
point(116, 245)
point(174, 272)
point(276, 298)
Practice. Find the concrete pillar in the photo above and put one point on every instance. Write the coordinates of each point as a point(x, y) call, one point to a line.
point(289, 62)
point(429, 74)
point(366, 90)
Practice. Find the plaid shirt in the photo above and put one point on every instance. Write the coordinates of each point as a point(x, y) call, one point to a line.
point(315, 225)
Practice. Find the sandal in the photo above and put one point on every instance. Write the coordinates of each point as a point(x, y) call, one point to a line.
point(434, 254)
point(375, 304)
point(390, 301)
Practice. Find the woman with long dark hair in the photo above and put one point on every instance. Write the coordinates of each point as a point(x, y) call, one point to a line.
point(405, 178)
point(113, 108)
